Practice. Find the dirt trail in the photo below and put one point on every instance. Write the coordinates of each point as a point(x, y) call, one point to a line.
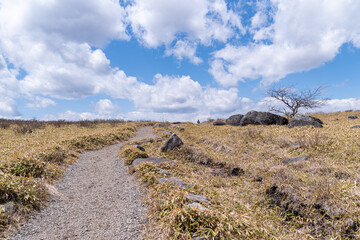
point(96, 199)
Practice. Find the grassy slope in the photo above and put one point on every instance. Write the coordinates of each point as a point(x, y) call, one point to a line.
point(316, 198)
point(30, 160)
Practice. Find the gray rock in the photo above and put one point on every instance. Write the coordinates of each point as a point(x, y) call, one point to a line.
point(153, 160)
point(158, 140)
point(305, 120)
point(198, 237)
point(197, 198)
point(218, 123)
point(173, 142)
point(296, 159)
point(176, 182)
point(237, 171)
point(167, 132)
point(140, 147)
point(356, 126)
point(262, 118)
point(8, 207)
point(234, 120)
point(197, 206)
point(352, 117)
point(163, 171)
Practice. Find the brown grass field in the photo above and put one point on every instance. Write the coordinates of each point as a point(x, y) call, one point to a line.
point(253, 194)
point(263, 198)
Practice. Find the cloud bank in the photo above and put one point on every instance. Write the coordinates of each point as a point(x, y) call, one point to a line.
point(57, 53)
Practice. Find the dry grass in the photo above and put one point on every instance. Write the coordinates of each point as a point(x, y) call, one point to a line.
point(33, 154)
point(313, 199)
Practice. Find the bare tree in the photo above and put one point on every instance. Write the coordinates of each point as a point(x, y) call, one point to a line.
point(293, 101)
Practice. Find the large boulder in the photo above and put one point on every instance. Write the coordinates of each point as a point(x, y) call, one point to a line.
point(234, 120)
point(305, 120)
point(173, 142)
point(218, 123)
point(352, 117)
point(262, 118)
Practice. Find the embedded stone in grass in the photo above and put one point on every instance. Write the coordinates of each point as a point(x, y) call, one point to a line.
point(237, 171)
point(176, 182)
point(356, 126)
point(197, 198)
point(197, 206)
point(295, 159)
point(167, 132)
point(163, 171)
point(198, 237)
point(140, 148)
point(153, 160)
point(8, 207)
point(352, 117)
point(218, 123)
point(173, 142)
point(304, 120)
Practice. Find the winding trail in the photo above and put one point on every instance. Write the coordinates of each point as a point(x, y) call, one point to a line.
point(96, 199)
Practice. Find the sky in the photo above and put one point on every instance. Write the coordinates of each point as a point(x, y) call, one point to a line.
point(171, 60)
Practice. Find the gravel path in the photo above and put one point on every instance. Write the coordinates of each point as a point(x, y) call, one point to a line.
point(96, 199)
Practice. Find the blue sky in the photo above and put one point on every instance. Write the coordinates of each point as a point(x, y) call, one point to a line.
point(172, 60)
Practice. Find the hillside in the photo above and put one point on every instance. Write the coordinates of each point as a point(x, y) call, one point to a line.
point(253, 192)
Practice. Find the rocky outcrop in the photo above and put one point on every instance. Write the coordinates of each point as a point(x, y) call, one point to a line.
point(173, 142)
point(352, 117)
point(305, 120)
point(218, 123)
point(234, 120)
point(262, 118)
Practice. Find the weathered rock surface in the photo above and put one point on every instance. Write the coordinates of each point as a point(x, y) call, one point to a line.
point(197, 206)
point(352, 117)
point(8, 207)
point(173, 142)
point(218, 123)
point(197, 198)
point(163, 171)
point(234, 120)
point(356, 126)
point(237, 171)
point(176, 182)
point(305, 120)
point(153, 160)
point(262, 118)
point(296, 159)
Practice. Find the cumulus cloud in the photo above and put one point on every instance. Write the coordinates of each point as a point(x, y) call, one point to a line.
point(40, 102)
point(161, 22)
point(304, 35)
point(106, 108)
point(55, 46)
point(184, 49)
point(184, 98)
point(8, 87)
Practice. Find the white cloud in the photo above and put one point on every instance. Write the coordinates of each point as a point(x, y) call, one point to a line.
point(160, 22)
point(182, 98)
point(106, 108)
point(8, 87)
point(40, 102)
point(55, 46)
point(184, 49)
point(304, 35)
